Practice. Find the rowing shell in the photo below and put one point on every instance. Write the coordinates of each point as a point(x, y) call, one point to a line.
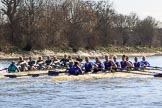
point(59, 75)
point(145, 74)
point(34, 73)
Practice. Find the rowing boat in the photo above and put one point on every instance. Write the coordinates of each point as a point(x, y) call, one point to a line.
point(55, 72)
point(60, 75)
point(142, 74)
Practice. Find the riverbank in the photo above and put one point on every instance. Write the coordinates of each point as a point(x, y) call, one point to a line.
point(44, 53)
point(99, 52)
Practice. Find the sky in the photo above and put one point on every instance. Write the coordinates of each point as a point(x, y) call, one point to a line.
point(142, 8)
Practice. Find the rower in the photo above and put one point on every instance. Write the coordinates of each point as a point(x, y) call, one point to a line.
point(56, 62)
point(22, 63)
point(13, 68)
point(79, 58)
point(109, 64)
point(129, 63)
point(136, 64)
point(48, 63)
point(75, 69)
point(116, 62)
point(87, 66)
point(64, 61)
point(71, 61)
point(40, 63)
point(144, 63)
point(98, 66)
point(31, 64)
point(125, 64)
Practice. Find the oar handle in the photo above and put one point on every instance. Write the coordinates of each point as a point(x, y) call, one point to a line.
point(4, 69)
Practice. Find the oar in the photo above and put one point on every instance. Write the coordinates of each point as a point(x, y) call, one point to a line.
point(153, 68)
point(3, 69)
point(130, 70)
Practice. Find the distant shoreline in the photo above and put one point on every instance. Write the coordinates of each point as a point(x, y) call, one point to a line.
point(35, 54)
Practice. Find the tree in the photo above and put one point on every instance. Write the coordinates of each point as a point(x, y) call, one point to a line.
point(10, 10)
point(145, 30)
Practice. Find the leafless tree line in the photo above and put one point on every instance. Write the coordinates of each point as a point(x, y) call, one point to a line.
point(40, 24)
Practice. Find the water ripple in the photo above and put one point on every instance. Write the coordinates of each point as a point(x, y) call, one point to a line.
point(105, 93)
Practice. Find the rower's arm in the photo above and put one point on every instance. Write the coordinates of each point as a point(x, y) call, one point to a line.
point(129, 64)
point(80, 71)
point(42, 62)
point(17, 69)
point(113, 64)
point(148, 64)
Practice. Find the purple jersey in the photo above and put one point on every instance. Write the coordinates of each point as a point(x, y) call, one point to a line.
point(75, 70)
point(100, 65)
point(137, 65)
point(117, 64)
point(88, 66)
point(145, 63)
point(123, 64)
point(107, 65)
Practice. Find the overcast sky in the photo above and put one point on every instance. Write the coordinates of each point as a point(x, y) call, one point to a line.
point(143, 8)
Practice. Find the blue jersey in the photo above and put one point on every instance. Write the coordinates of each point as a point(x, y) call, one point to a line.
point(145, 63)
point(117, 64)
point(123, 64)
point(100, 65)
point(107, 65)
point(88, 66)
point(75, 70)
point(136, 65)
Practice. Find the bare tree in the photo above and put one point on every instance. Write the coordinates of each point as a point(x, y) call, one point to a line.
point(72, 24)
point(10, 10)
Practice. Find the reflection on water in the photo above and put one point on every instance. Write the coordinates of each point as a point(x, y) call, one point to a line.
point(99, 93)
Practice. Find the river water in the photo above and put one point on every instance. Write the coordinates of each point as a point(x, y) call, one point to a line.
point(99, 93)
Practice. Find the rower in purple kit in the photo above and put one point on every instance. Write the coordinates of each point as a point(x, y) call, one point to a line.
point(98, 66)
point(75, 69)
point(125, 64)
point(116, 62)
point(129, 63)
point(136, 64)
point(109, 64)
point(87, 66)
point(144, 63)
